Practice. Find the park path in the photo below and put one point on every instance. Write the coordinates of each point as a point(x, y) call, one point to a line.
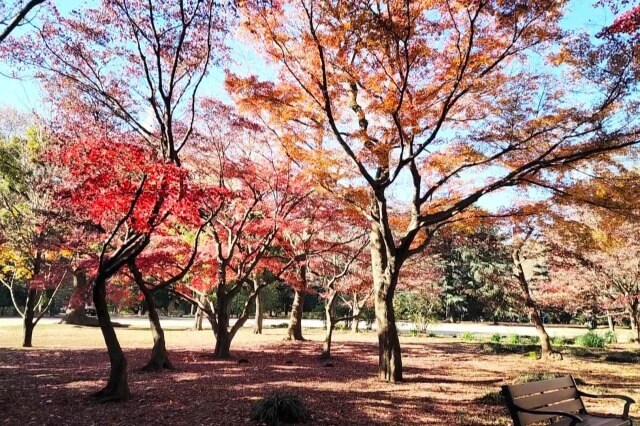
point(443, 329)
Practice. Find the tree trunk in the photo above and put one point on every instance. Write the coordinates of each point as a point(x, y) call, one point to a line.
point(355, 311)
point(117, 388)
point(384, 282)
point(294, 332)
point(633, 317)
point(257, 326)
point(329, 319)
point(198, 319)
point(546, 349)
point(27, 322)
point(221, 328)
point(159, 357)
point(612, 326)
point(76, 313)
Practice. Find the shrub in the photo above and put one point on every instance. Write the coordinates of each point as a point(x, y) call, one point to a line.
point(533, 355)
point(467, 336)
point(559, 341)
point(514, 339)
point(535, 376)
point(495, 338)
point(610, 337)
point(413, 332)
point(535, 340)
point(492, 398)
point(280, 407)
point(432, 335)
point(590, 340)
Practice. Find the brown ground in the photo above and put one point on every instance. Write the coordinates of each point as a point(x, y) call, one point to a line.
point(48, 385)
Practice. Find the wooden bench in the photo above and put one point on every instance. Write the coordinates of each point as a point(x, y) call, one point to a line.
point(559, 401)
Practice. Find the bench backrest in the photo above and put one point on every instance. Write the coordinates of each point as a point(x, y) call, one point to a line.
point(558, 394)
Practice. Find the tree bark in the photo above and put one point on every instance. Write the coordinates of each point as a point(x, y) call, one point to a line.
point(76, 313)
point(384, 282)
point(329, 320)
point(355, 311)
point(612, 326)
point(221, 327)
point(633, 318)
point(117, 388)
point(27, 322)
point(546, 349)
point(257, 326)
point(159, 357)
point(197, 324)
point(294, 332)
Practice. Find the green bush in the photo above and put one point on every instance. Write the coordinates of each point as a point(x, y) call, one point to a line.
point(610, 337)
point(535, 340)
point(431, 335)
point(590, 340)
point(514, 339)
point(495, 338)
point(533, 355)
point(559, 340)
point(280, 407)
point(413, 332)
point(467, 336)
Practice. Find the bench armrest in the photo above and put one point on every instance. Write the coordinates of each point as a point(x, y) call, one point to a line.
point(574, 418)
point(627, 404)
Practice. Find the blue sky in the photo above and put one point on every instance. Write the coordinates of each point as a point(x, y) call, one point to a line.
point(23, 93)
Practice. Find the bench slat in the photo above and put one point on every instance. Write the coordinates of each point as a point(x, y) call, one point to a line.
point(543, 399)
point(541, 386)
point(568, 406)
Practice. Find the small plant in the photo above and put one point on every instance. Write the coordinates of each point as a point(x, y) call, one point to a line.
point(610, 337)
point(533, 355)
point(280, 407)
point(535, 340)
point(413, 332)
point(534, 377)
point(492, 398)
point(590, 340)
point(514, 339)
point(559, 340)
point(495, 338)
point(467, 336)
point(432, 335)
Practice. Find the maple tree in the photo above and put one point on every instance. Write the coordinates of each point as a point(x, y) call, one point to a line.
point(243, 239)
point(324, 240)
point(127, 193)
point(31, 251)
point(424, 108)
point(599, 247)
